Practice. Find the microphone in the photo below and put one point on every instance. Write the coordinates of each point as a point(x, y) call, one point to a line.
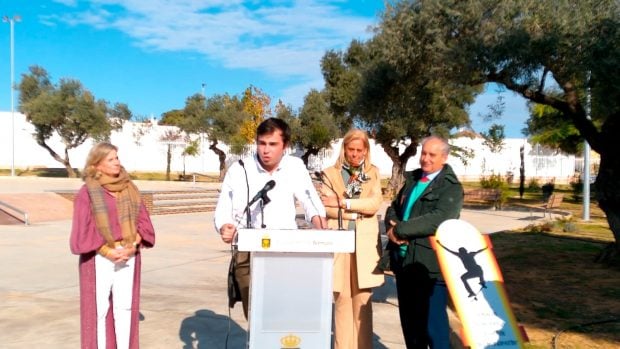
point(262, 194)
point(321, 175)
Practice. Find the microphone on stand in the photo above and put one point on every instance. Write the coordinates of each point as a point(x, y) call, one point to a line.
point(321, 175)
point(264, 199)
point(262, 194)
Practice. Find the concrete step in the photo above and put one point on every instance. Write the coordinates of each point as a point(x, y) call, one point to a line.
point(184, 202)
point(172, 197)
point(182, 209)
point(186, 191)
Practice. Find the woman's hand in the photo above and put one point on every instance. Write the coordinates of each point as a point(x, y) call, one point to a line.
point(120, 255)
point(330, 200)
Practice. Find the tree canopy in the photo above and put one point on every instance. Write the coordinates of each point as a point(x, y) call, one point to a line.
point(231, 120)
point(396, 86)
point(317, 125)
point(67, 109)
point(536, 49)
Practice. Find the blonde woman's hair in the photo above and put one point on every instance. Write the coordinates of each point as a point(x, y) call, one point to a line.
point(355, 134)
point(96, 154)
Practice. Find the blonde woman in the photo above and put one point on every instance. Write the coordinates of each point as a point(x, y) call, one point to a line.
point(353, 184)
point(110, 225)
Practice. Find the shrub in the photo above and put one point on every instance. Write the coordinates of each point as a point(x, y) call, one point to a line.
point(547, 190)
point(540, 228)
point(495, 181)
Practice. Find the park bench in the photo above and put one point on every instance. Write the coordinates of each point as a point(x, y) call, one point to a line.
point(483, 196)
point(554, 201)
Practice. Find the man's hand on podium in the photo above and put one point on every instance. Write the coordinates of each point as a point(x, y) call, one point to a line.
point(319, 222)
point(228, 231)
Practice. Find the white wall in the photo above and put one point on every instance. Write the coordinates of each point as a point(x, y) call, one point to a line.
point(140, 149)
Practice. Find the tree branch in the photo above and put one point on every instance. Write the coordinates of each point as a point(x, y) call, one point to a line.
point(570, 107)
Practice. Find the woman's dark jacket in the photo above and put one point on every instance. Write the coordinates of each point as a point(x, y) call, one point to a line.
point(442, 200)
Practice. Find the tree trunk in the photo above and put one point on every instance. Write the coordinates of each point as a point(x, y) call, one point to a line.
point(608, 195)
point(306, 156)
point(399, 163)
point(65, 162)
point(221, 156)
point(397, 179)
point(168, 160)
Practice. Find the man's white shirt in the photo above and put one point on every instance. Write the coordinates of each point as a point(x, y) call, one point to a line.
point(292, 181)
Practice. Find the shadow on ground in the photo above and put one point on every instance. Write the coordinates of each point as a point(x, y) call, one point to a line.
point(386, 293)
point(206, 329)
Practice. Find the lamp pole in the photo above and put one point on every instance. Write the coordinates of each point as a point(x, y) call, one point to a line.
point(11, 21)
point(586, 160)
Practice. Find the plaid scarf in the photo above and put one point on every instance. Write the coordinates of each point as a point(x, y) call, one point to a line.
point(127, 205)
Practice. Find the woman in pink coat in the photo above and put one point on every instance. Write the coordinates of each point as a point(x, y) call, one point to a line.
point(110, 225)
point(353, 184)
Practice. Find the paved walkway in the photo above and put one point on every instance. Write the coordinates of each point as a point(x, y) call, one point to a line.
point(184, 280)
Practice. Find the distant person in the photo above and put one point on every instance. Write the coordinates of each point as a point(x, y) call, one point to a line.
point(247, 177)
point(430, 195)
point(351, 191)
point(110, 225)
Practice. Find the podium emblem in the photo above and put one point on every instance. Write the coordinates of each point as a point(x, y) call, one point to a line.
point(290, 341)
point(265, 242)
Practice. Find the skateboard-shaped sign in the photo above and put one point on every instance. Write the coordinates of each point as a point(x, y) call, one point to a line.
point(476, 286)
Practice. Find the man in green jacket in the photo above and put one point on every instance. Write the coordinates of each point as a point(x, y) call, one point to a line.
point(430, 195)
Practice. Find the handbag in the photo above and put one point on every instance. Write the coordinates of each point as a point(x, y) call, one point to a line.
point(234, 292)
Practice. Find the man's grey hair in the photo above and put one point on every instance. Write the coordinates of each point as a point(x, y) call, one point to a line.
point(445, 146)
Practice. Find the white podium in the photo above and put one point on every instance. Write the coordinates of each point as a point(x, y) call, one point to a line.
point(291, 288)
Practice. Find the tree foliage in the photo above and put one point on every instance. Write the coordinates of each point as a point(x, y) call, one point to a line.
point(173, 117)
point(318, 127)
point(255, 103)
point(494, 138)
point(547, 126)
point(286, 113)
point(396, 86)
point(67, 109)
point(222, 119)
point(536, 48)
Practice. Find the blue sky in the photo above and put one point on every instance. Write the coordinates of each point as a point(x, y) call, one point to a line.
point(153, 54)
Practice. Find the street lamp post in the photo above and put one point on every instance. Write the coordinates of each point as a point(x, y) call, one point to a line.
point(11, 21)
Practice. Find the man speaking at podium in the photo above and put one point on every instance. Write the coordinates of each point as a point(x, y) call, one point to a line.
point(260, 192)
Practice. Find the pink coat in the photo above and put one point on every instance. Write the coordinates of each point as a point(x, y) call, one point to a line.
point(85, 240)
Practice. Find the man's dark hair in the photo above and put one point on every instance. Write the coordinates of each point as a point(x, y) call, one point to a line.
point(271, 125)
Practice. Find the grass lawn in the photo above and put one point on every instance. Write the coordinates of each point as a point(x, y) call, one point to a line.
point(559, 294)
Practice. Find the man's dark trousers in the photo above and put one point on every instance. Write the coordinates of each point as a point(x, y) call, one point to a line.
point(422, 305)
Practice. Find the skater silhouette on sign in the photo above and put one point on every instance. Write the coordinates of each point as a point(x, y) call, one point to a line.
point(473, 269)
